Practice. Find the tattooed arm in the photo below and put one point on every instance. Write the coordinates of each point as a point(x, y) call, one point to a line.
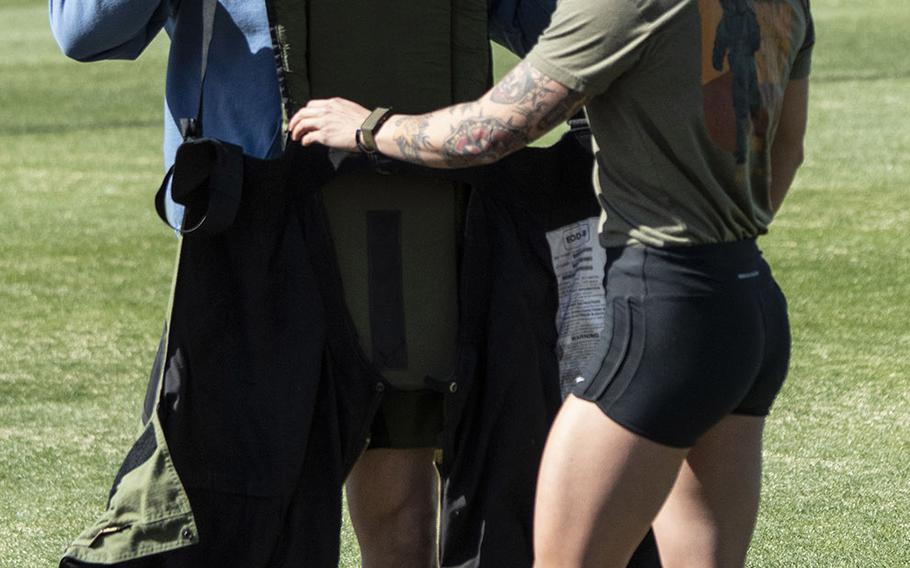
point(523, 106)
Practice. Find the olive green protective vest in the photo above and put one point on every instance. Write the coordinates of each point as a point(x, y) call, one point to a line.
point(413, 56)
point(395, 237)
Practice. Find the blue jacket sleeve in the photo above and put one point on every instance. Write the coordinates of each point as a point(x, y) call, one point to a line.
point(90, 30)
point(516, 24)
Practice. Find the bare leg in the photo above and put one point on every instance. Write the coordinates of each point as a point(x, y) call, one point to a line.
point(392, 500)
point(599, 488)
point(709, 516)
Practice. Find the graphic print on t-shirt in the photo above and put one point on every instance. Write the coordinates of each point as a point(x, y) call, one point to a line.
point(746, 45)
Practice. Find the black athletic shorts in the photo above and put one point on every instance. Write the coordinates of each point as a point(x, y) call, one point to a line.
point(407, 419)
point(692, 334)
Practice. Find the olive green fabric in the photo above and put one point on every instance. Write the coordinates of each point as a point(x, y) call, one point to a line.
point(413, 57)
point(471, 67)
point(148, 512)
point(381, 52)
point(429, 231)
point(685, 96)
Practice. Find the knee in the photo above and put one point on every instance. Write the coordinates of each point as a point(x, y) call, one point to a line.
point(405, 544)
point(397, 533)
point(392, 501)
point(409, 522)
point(414, 538)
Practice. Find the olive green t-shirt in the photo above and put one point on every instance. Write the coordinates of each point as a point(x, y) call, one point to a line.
point(685, 97)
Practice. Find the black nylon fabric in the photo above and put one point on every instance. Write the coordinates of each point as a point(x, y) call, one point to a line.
point(245, 345)
point(507, 393)
point(265, 405)
point(267, 397)
point(141, 451)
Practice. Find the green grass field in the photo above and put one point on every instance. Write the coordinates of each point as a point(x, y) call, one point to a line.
point(85, 268)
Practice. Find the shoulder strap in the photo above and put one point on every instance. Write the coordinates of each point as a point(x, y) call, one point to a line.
point(192, 127)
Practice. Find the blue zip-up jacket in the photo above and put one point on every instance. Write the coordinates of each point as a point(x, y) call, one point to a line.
point(242, 103)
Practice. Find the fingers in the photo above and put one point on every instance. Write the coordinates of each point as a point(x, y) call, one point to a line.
point(312, 138)
point(305, 114)
point(319, 107)
point(300, 126)
point(331, 122)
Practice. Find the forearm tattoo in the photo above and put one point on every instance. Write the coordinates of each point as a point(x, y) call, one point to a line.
point(561, 111)
point(525, 86)
point(486, 139)
point(537, 97)
point(524, 105)
point(412, 138)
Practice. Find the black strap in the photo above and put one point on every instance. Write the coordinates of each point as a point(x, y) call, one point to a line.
point(161, 197)
point(192, 127)
point(386, 290)
point(207, 175)
point(207, 179)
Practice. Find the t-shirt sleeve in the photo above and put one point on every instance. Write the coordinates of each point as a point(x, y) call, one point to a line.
point(589, 43)
point(803, 62)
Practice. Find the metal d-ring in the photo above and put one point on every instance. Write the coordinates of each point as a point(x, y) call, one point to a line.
point(183, 231)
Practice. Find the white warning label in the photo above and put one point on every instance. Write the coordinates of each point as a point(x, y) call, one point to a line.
point(578, 261)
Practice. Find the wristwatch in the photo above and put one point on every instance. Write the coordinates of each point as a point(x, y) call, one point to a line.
point(366, 134)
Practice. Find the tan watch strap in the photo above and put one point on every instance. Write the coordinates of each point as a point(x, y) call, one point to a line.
point(366, 134)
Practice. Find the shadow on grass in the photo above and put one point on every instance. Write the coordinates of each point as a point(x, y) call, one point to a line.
point(860, 76)
point(47, 129)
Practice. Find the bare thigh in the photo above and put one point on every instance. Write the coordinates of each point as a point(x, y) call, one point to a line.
point(709, 516)
point(599, 488)
point(392, 498)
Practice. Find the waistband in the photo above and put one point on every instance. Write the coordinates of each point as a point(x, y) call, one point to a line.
point(687, 270)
